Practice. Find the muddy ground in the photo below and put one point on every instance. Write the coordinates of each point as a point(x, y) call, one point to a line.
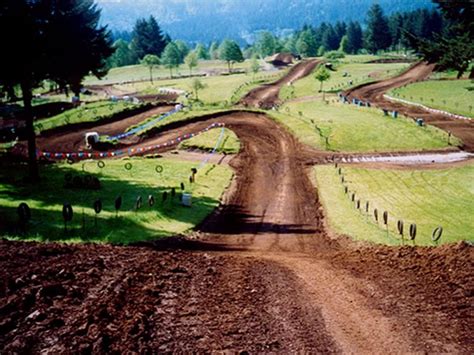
point(262, 274)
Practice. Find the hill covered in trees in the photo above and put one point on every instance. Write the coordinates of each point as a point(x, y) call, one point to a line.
point(213, 20)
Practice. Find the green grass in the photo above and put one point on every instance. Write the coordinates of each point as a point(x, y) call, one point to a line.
point(219, 89)
point(229, 143)
point(358, 73)
point(88, 113)
point(356, 129)
point(140, 72)
point(455, 96)
point(429, 198)
point(161, 220)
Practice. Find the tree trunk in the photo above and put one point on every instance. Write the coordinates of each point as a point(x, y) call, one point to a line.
point(171, 73)
point(228, 64)
point(471, 74)
point(30, 132)
point(151, 75)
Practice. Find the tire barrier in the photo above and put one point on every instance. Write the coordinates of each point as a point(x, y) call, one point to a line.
point(98, 206)
point(118, 204)
point(358, 204)
point(138, 203)
point(100, 164)
point(400, 227)
point(385, 218)
point(340, 171)
point(346, 190)
point(376, 215)
point(412, 231)
point(159, 169)
point(128, 166)
point(353, 197)
point(436, 235)
point(342, 179)
point(151, 201)
point(367, 207)
point(24, 213)
point(68, 212)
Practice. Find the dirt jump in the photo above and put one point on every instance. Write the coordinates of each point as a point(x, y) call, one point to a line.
point(374, 93)
point(261, 274)
point(266, 96)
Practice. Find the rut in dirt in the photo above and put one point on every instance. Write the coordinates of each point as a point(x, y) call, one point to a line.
point(374, 93)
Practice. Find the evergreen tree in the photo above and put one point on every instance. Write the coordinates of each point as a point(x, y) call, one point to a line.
point(57, 40)
point(201, 52)
point(378, 32)
point(306, 45)
point(265, 44)
point(230, 52)
point(289, 45)
point(214, 50)
point(354, 37)
point(330, 40)
point(122, 55)
point(344, 45)
point(340, 29)
point(151, 61)
point(171, 57)
point(148, 38)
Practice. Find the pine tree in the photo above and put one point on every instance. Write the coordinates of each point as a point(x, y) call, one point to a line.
point(306, 44)
point(230, 52)
point(58, 40)
point(122, 55)
point(148, 38)
point(330, 40)
point(265, 44)
point(378, 33)
point(201, 52)
point(354, 37)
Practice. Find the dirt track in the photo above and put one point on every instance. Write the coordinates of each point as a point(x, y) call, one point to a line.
point(266, 96)
point(262, 275)
point(463, 129)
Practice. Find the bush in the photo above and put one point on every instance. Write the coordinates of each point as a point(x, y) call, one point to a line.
point(332, 55)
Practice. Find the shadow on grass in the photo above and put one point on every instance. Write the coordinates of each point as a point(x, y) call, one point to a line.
point(47, 197)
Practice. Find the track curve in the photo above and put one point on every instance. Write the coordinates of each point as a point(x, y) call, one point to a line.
point(374, 93)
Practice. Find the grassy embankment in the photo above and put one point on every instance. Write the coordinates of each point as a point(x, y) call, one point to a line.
point(429, 198)
point(163, 219)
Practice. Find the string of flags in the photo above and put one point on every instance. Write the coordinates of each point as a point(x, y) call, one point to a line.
point(147, 125)
point(123, 152)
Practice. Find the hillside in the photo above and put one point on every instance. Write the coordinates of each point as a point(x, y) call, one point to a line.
point(208, 20)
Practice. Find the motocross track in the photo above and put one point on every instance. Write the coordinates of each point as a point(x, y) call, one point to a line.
point(373, 93)
point(262, 274)
point(266, 96)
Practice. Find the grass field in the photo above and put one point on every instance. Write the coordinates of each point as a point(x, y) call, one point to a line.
point(228, 143)
point(429, 198)
point(88, 113)
point(163, 219)
point(219, 89)
point(456, 96)
point(140, 72)
point(356, 129)
point(358, 73)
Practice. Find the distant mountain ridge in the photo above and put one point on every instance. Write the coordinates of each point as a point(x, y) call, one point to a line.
point(209, 20)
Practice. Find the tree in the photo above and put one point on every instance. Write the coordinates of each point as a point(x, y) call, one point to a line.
point(254, 66)
point(306, 44)
point(148, 38)
point(151, 61)
point(453, 49)
point(183, 50)
point(122, 55)
point(322, 75)
point(344, 45)
point(214, 51)
point(58, 40)
point(197, 85)
point(230, 52)
point(378, 33)
point(354, 37)
point(191, 61)
point(201, 52)
point(330, 41)
point(171, 57)
point(265, 44)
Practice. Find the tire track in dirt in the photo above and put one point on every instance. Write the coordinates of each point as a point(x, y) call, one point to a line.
point(373, 93)
point(266, 96)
